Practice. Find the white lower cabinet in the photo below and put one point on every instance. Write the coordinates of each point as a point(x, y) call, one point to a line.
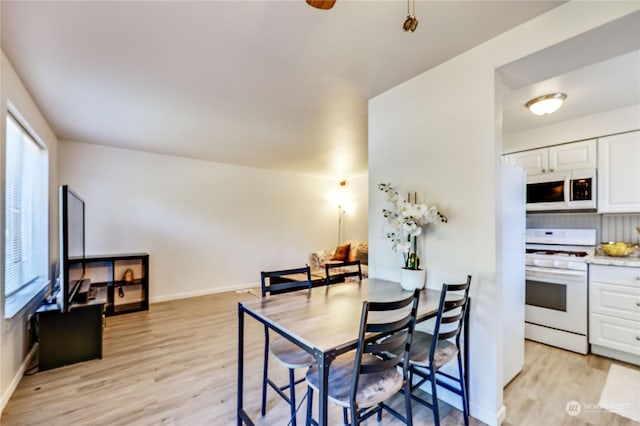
point(615, 333)
point(614, 312)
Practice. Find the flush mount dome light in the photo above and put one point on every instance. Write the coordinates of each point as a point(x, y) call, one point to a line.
point(546, 104)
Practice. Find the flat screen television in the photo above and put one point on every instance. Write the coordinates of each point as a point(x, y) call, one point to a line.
point(72, 245)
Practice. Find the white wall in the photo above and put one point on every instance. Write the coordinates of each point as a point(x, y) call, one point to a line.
point(592, 126)
point(208, 227)
point(13, 333)
point(437, 134)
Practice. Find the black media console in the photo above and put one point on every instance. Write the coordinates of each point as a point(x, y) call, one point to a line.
point(105, 285)
point(70, 337)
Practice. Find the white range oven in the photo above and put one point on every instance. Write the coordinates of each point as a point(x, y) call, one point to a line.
point(556, 286)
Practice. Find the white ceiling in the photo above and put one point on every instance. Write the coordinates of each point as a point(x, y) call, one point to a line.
point(598, 71)
point(271, 84)
point(604, 86)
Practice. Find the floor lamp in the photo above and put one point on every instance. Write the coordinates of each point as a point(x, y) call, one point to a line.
point(341, 211)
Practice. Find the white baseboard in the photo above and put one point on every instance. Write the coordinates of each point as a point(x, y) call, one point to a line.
point(6, 396)
point(488, 417)
point(176, 296)
point(502, 414)
point(615, 354)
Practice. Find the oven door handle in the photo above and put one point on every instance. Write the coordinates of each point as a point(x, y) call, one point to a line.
point(567, 272)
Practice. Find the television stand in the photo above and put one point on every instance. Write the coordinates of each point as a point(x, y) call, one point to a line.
point(112, 285)
point(67, 338)
point(122, 280)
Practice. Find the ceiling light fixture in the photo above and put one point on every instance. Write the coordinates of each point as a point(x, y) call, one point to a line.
point(546, 104)
point(411, 23)
point(321, 4)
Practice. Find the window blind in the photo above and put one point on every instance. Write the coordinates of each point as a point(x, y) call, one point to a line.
point(26, 210)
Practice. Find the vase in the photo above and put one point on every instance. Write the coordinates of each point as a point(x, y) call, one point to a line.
point(411, 279)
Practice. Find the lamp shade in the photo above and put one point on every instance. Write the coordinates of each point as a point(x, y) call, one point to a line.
point(546, 104)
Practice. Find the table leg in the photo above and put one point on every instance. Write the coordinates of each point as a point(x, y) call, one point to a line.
point(323, 360)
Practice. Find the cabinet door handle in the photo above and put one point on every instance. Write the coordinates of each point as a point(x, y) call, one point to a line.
point(638, 338)
point(638, 304)
point(544, 170)
point(551, 170)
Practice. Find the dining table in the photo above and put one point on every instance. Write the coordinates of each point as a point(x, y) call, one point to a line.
point(324, 321)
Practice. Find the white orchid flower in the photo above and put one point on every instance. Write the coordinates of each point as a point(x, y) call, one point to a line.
point(403, 247)
point(406, 220)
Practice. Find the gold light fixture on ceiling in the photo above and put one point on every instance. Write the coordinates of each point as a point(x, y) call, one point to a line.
point(546, 104)
point(321, 4)
point(411, 23)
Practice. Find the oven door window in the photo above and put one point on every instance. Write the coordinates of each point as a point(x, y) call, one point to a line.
point(546, 295)
point(545, 192)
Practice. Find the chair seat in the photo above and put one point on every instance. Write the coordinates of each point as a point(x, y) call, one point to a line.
point(372, 388)
point(421, 345)
point(290, 355)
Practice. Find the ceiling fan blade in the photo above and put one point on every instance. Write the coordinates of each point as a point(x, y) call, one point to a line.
point(321, 4)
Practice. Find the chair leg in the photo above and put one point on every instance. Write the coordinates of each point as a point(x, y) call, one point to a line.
point(309, 405)
point(265, 366)
point(345, 416)
point(463, 392)
point(407, 403)
point(434, 396)
point(292, 395)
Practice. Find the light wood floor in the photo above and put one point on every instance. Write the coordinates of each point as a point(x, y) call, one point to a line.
point(550, 379)
point(176, 365)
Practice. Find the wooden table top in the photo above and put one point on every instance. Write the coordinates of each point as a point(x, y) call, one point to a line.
point(328, 318)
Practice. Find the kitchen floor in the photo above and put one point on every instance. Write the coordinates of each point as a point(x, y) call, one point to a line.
point(551, 379)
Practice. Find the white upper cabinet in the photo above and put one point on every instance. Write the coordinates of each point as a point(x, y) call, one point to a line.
point(533, 162)
point(570, 156)
point(573, 156)
point(619, 173)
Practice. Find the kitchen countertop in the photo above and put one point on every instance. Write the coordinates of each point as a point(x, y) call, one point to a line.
point(633, 260)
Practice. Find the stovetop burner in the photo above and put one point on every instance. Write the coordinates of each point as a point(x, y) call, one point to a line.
point(557, 252)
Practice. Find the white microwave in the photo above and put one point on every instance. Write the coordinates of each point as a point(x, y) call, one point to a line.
point(573, 190)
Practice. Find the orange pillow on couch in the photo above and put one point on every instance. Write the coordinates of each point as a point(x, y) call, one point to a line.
point(341, 253)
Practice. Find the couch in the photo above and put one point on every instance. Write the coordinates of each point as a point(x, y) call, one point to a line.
point(348, 251)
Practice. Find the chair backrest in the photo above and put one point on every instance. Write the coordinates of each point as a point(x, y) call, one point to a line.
point(386, 330)
point(285, 280)
point(337, 272)
point(454, 302)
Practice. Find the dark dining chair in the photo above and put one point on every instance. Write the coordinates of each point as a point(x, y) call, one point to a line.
point(285, 352)
point(361, 380)
point(429, 352)
point(338, 272)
